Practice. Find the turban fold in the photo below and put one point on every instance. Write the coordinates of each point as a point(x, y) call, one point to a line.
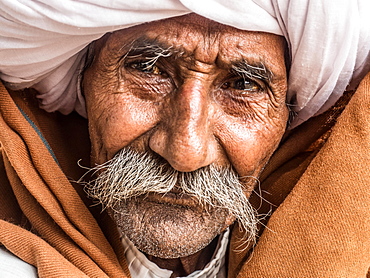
point(43, 43)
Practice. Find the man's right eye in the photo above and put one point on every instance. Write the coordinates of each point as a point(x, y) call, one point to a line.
point(146, 67)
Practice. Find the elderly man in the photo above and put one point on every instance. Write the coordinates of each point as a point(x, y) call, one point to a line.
point(184, 116)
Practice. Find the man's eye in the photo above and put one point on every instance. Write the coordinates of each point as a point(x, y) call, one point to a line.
point(242, 84)
point(146, 67)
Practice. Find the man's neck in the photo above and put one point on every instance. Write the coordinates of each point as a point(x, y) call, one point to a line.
point(187, 265)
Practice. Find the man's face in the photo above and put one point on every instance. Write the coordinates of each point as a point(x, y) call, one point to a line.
point(197, 94)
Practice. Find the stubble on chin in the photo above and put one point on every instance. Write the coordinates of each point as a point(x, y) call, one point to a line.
point(169, 231)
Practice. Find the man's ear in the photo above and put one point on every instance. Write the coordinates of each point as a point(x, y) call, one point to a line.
point(92, 51)
point(287, 57)
point(288, 62)
point(90, 57)
point(94, 48)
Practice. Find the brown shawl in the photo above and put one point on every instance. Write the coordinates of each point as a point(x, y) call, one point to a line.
point(316, 184)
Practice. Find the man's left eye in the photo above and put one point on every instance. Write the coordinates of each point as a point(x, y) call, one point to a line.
point(146, 67)
point(242, 84)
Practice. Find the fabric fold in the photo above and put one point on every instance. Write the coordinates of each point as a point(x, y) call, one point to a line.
point(51, 205)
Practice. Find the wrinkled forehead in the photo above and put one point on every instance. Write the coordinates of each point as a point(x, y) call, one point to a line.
point(200, 39)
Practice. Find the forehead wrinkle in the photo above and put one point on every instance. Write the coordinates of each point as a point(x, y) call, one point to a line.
point(200, 38)
point(201, 45)
point(198, 42)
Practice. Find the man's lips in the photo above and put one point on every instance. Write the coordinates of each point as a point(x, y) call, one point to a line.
point(174, 197)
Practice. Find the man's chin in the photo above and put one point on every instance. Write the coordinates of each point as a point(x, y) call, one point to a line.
point(168, 228)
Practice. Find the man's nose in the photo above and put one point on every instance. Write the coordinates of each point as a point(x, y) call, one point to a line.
point(185, 135)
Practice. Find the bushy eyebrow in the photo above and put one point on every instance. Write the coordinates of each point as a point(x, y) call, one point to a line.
point(148, 50)
point(250, 71)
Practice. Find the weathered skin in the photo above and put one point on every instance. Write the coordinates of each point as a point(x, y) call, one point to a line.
point(191, 109)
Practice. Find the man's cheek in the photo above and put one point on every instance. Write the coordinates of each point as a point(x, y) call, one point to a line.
point(119, 128)
point(249, 144)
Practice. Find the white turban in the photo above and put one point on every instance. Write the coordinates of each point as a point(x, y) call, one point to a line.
point(42, 43)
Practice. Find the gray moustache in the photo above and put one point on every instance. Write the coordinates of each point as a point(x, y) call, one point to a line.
point(130, 174)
